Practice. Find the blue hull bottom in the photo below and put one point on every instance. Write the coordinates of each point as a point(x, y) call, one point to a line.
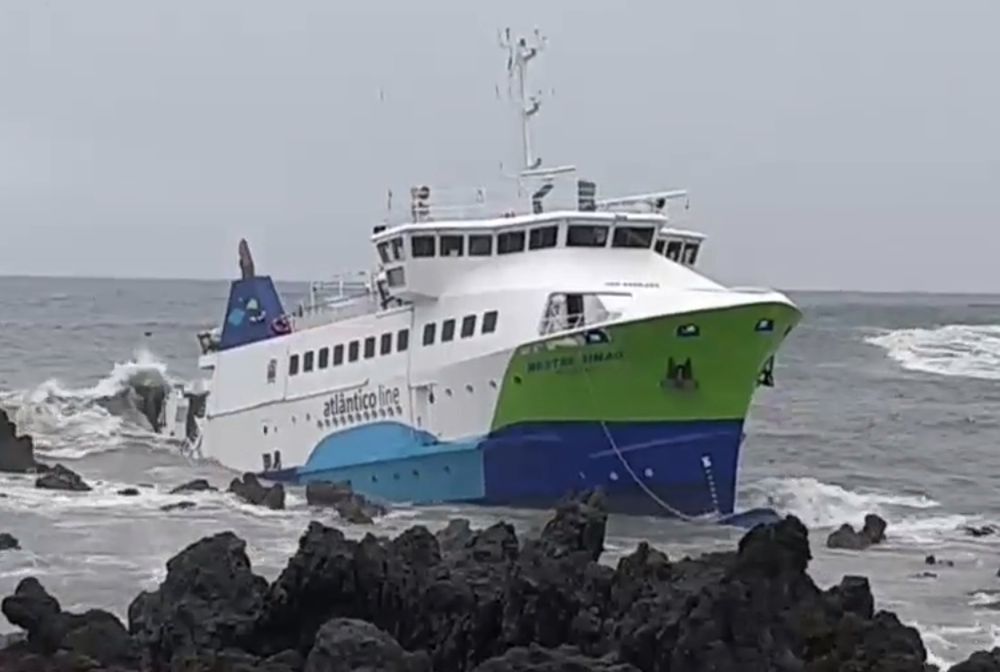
point(650, 468)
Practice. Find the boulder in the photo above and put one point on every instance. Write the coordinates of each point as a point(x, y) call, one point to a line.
point(178, 506)
point(845, 537)
point(980, 531)
point(95, 634)
point(129, 492)
point(208, 602)
point(17, 453)
point(197, 485)
point(62, 478)
point(455, 536)
point(349, 505)
point(980, 661)
point(347, 644)
point(250, 490)
point(8, 542)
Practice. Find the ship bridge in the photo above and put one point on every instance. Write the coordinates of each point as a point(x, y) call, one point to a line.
point(423, 258)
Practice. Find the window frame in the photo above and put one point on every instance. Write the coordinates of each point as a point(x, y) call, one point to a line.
point(490, 319)
point(423, 238)
point(623, 242)
point(354, 351)
point(403, 340)
point(591, 229)
point(323, 358)
point(448, 330)
point(481, 237)
point(293, 365)
point(448, 239)
point(430, 333)
point(338, 354)
point(468, 328)
point(517, 234)
point(369, 351)
point(385, 343)
point(308, 361)
point(540, 243)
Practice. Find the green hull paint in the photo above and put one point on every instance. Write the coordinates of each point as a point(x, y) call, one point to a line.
point(562, 379)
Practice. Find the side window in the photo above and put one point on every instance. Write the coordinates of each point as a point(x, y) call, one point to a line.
point(338, 355)
point(402, 340)
point(674, 250)
point(452, 246)
point(307, 361)
point(468, 326)
point(369, 347)
point(396, 244)
point(658, 247)
point(511, 241)
point(633, 236)
point(385, 347)
point(690, 253)
point(490, 322)
point(324, 358)
point(272, 370)
point(541, 237)
point(586, 235)
point(430, 329)
point(422, 246)
point(480, 245)
point(352, 351)
point(383, 252)
point(293, 365)
point(447, 330)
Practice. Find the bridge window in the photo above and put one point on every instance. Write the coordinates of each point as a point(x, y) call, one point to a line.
point(396, 245)
point(510, 241)
point(352, 351)
point(307, 361)
point(452, 246)
point(447, 330)
point(633, 236)
point(385, 347)
point(690, 253)
point(674, 250)
point(338, 355)
point(324, 358)
point(490, 322)
point(402, 340)
point(468, 326)
point(383, 252)
point(430, 330)
point(587, 235)
point(293, 365)
point(395, 277)
point(658, 246)
point(422, 246)
point(541, 237)
point(369, 347)
point(480, 245)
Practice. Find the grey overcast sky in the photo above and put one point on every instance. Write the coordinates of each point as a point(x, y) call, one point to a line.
point(837, 145)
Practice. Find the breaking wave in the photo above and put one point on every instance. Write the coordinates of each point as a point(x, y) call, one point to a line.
point(69, 423)
point(971, 351)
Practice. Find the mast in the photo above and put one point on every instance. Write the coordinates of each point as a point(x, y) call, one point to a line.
point(519, 53)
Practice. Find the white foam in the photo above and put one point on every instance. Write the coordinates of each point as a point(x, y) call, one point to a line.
point(971, 351)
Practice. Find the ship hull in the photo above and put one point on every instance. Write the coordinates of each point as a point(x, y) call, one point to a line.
point(651, 411)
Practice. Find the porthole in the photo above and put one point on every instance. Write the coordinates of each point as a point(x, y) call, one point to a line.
point(468, 388)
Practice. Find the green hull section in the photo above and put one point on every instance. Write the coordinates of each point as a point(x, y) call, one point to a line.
point(701, 365)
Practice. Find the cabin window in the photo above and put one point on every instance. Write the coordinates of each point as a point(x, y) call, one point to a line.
point(338, 355)
point(395, 277)
point(542, 236)
point(272, 370)
point(385, 347)
point(352, 351)
point(396, 245)
point(659, 245)
point(383, 252)
point(468, 326)
point(632, 236)
point(674, 250)
point(690, 253)
point(402, 340)
point(430, 329)
point(452, 246)
point(422, 246)
point(447, 330)
point(480, 245)
point(586, 235)
point(307, 361)
point(324, 358)
point(293, 365)
point(369, 347)
point(510, 241)
point(490, 322)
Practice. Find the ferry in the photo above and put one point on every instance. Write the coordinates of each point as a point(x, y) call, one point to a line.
point(501, 355)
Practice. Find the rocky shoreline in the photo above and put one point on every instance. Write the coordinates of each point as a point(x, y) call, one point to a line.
point(481, 600)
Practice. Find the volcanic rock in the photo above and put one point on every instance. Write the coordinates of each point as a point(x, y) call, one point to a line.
point(250, 490)
point(347, 644)
point(349, 505)
point(872, 533)
point(17, 453)
point(197, 485)
point(129, 492)
point(8, 542)
point(61, 478)
point(563, 659)
point(980, 661)
point(178, 506)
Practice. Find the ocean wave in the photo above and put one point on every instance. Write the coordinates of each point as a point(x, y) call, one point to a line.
point(969, 351)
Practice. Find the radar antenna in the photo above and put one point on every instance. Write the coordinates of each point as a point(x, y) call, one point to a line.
point(519, 53)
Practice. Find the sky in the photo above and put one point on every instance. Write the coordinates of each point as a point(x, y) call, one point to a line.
point(842, 145)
